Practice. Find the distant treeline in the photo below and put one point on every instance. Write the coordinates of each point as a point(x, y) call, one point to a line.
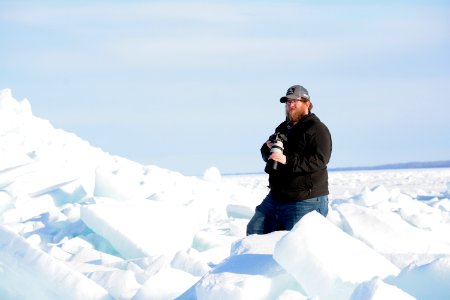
point(408, 165)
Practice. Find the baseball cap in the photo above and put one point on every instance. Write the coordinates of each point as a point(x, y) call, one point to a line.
point(295, 92)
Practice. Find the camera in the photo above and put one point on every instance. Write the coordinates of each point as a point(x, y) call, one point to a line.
point(277, 140)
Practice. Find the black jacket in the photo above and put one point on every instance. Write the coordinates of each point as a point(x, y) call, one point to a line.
point(308, 150)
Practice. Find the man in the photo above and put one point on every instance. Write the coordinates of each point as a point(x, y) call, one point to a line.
point(299, 183)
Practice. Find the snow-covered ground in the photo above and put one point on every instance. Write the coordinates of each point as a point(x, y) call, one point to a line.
point(79, 223)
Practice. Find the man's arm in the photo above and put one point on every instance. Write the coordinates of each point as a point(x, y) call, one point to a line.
point(319, 156)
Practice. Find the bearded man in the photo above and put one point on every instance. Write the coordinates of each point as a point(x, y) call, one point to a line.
point(299, 182)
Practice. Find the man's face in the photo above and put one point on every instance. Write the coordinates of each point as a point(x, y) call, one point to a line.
point(296, 109)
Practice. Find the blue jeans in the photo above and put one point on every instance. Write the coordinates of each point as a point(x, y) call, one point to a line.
point(272, 215)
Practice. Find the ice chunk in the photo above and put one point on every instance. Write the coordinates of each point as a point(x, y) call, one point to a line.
point(121, 284)
point(326, 261)
point(370, 197)
point(233, 286)
point(428, 281)
point(191, 262)
point(240, 211)
point(212, 174)
point(204, 240)
point(12, 112)
point(390, 235)
point(376, 289)
point(141, 228)
point(5, 202)
point(294, 295)
point(120, 186)
point(261, 244)
point(43, 276)
point(167, 284)
point(249, 273)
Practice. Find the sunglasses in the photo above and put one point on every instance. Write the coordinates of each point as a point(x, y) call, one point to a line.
point(295, 101)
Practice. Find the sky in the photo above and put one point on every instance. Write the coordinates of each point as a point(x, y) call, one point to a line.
point(201, 81)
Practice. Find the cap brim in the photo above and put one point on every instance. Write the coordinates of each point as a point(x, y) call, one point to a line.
point(285, 98)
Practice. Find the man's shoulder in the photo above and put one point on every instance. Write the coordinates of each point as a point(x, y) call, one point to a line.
point(314, 124)
point(315, 119)
point(282, 127)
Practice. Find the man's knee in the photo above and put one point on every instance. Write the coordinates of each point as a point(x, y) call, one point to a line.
point(256, 224)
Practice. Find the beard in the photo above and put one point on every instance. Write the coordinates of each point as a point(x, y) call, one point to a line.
point(294, 115)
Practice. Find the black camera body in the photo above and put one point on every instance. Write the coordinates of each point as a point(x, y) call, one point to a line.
point(277, 140)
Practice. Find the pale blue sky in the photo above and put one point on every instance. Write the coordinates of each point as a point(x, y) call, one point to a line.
point(187, 85)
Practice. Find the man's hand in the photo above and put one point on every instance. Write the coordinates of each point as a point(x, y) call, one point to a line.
point(279, 157)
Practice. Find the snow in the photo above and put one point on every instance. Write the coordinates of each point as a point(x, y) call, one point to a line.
point(79, 223)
